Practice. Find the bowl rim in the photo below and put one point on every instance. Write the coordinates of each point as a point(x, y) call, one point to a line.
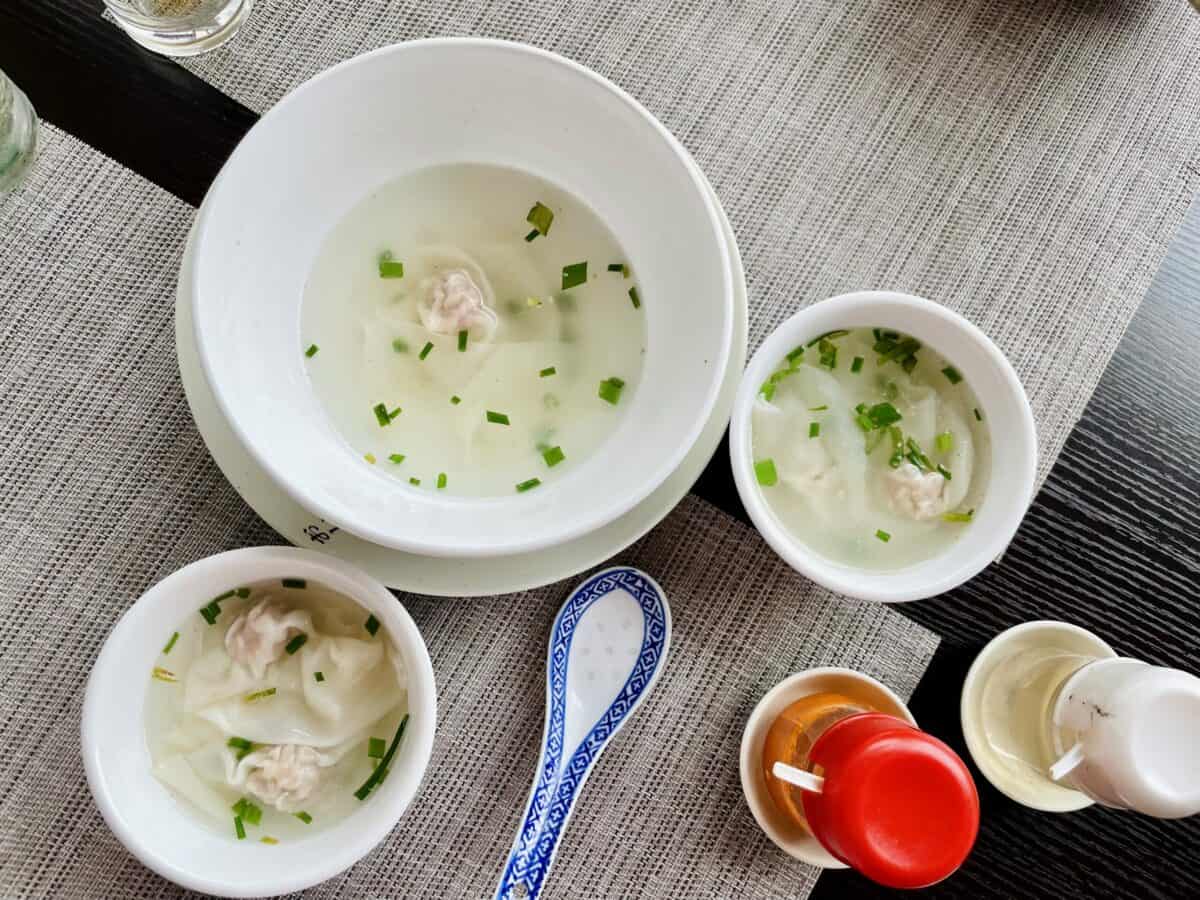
point(583, 519)
point(271, 561)
point(862, 584)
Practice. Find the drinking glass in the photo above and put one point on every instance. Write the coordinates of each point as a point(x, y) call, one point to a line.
point(18, 134)
point(180, 27)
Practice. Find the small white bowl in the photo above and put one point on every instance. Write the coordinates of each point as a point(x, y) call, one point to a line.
point(366, 122)
point(788, 837)
point(1006, 415)
point(151, 822)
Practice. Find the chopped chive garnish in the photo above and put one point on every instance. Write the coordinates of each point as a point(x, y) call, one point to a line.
point(376, 747)
point(381, 415)
point(540, 217)
point(243, 592)
point(530, 237)
point(857, 365)
point(297, 583)
point(372, 625)
point(497, 418)
point(528, 485)
point(397, 458)
point(553, 456)
point(248, 811)
point(388, 267)
point(574, 275)
point(425, 350)
point(945, 442)
point(296, 643)
point(814, 429)
point(828, 336)
point(303, 817)
point(634, 298)
point(238, 828)
point(796, 354)
point(414, 481)
point(400, 345)
point(820, 408)
point(267, 839)
point(462, 341)
point(319, 676)
point(764, 471)
point(943, 471)
point(210, 612)
point(259, 695)
point(170, 643)
point(547, 372)
point(616, 267)
point(883, 535)
point(241, 745)
point(224, 596)
point(311, 351)
point(441, 480)
point(959, 517)
point(161, 674)
point(883, 414)
point(978, 415)
point(381, 770)
point(610, 390)
point(455, 400)
point(828, 351)
point(952, 374)
point(369, 457)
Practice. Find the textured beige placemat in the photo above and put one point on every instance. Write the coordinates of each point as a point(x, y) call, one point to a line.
point(1023, 162)
point(108, 488)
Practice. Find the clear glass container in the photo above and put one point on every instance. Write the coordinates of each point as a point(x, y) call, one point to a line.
point(180, 27)
point(18, 134)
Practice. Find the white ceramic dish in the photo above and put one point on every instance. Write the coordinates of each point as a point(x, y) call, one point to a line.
point(436, 575)
point(1070, 637)
point(1006, 414)
point(333, 140)
point(792, 840)
point(150, 822)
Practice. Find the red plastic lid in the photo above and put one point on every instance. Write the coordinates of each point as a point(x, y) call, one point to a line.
point(899, 806)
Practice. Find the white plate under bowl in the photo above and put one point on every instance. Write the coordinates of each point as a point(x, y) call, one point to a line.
point(440, 576)
point(360, 125)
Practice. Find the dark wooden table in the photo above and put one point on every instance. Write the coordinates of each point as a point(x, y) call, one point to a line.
point(1110, 543)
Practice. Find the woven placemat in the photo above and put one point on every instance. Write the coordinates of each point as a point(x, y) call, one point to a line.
point(108, 488)
point(1024, 163)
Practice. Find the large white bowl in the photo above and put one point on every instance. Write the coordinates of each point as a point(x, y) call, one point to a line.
point(366, 122)
point(1006, 415)
point(144, 815)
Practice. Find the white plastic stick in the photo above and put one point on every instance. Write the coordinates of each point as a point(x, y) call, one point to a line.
point(806, 781)
point(1067, 763)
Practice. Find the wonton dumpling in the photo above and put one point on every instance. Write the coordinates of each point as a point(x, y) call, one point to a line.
point(257, 636)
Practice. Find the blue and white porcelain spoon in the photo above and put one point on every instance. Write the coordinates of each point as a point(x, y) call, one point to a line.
point(607, 648)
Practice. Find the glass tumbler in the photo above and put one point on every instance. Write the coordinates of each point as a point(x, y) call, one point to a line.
point(18, 134)
point(180, 27)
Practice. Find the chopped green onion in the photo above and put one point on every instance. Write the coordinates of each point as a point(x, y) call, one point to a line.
point(764, 471)
point(864, 422)
point(943, 471)
point(917, 456)
point(248, 811)
point(497, 418)
point(462, 341)
point(425, 350)
point(828, 336)
point(528, 485)
point(238, 828)
point(455, 400)
point(319, 676)
point(610, 390)
point(397, 458)
point(574, 275)
point(540, 217)
point(303, 817)
point(441, 480)
point(883, 414)
point(161, 674)
point(296, 583)
point(814, 429)
point(311, 351)
point(382, 416)
point(952, 374)
point(857, 365)
point(978, 415)
point(794, 355)
point(820, 408)
point(388, 267)
point(376, 747)
point(372, 625)
point(224, 596)
point(828, 355)
point(553, 456)
point(400, 345)
point(170, 643)
point(241, 745)
point(945, 442)
point(259, 695)
point(381, 770)
point(634, 298)
point(369, 457)
point(530, 237)
point(296, 643)
point(243, 592)
point(210, 612)
point(414, 481)
point(616, 267)
point(883, 535)
point(959, 517)
point(267, 839)
point(547, 372)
